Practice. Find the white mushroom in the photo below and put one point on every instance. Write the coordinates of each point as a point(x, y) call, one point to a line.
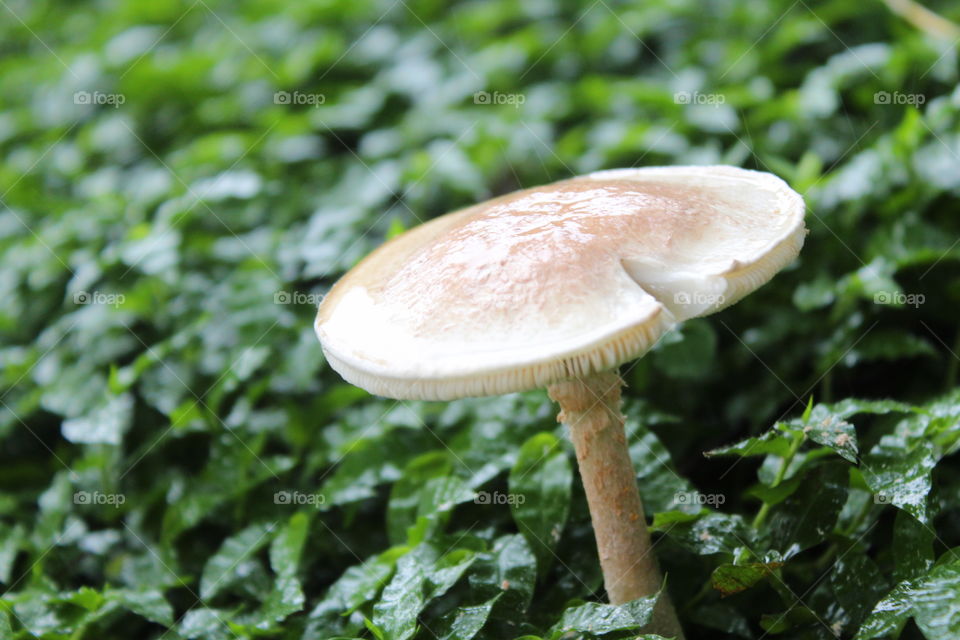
point(554, 287)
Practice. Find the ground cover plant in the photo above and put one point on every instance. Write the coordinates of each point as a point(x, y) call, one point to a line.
point(181, 182)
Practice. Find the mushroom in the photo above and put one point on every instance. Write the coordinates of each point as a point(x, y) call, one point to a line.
point(555, 287)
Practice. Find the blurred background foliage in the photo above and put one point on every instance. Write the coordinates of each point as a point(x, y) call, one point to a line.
point(181, 181)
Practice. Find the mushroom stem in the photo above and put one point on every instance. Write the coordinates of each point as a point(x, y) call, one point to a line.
point(590, 407)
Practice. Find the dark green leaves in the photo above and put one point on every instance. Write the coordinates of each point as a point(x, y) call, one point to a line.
point(422, 575)
point(163, 255)
point(463, 623)
point(705, 532)
point(931, 600)
point(807, 517)
point(913, 542)
point(599, 619)
point(286, 550)
point(899, 474)
point(507, 572)
point(226, 565)
point(540, 494)
point(729, 579)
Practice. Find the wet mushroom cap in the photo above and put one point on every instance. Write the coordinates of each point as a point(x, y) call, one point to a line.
point(557, 281)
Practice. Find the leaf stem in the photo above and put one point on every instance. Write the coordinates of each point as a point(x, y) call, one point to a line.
point(761, 516)
point(781, 474)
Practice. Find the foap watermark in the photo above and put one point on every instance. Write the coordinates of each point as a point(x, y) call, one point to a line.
point(885, 497)
point(695, 497)
point(299, 98)
point(297, 297)
point(695, 97)
point(886, 97)
point(485, 97)
point(99, 98)
point(299, 498)
point(899, 298)
point(698, 298)
point(99, 297)
point(498, 497)
point(100, 498)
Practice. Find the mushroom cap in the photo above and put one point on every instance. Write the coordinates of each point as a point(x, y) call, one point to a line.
point(555, 282)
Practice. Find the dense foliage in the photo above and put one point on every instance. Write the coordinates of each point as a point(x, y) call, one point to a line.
point(181, 181)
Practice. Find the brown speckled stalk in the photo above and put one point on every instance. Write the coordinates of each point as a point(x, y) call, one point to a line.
point(590, 408)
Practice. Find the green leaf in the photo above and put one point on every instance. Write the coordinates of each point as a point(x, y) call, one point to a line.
point(104, 425)
point(705, 533)
point(285, 550)
point(775, 495)
point(463, 623)
point(447, 570)
point(151, 605)
point(796, 616)
point(855, 584)
point(775, 441)
point(204, 623)
point(421, 575)
point(832, 431)
point(931, 600)
point(403, 598)
point(936, 602)
point(221, 570)
point(912, 546)
point(357, 586)
point(853, 406)
point(688, 352)
point(808, 516)
point(11, 540)
point(729, 578)
point(508, 570)
point(816, 294)
point(597, 619)
point(659, 482)
point(437, 499)
point(540, 484)
point(899, 473)
point(405, 496)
